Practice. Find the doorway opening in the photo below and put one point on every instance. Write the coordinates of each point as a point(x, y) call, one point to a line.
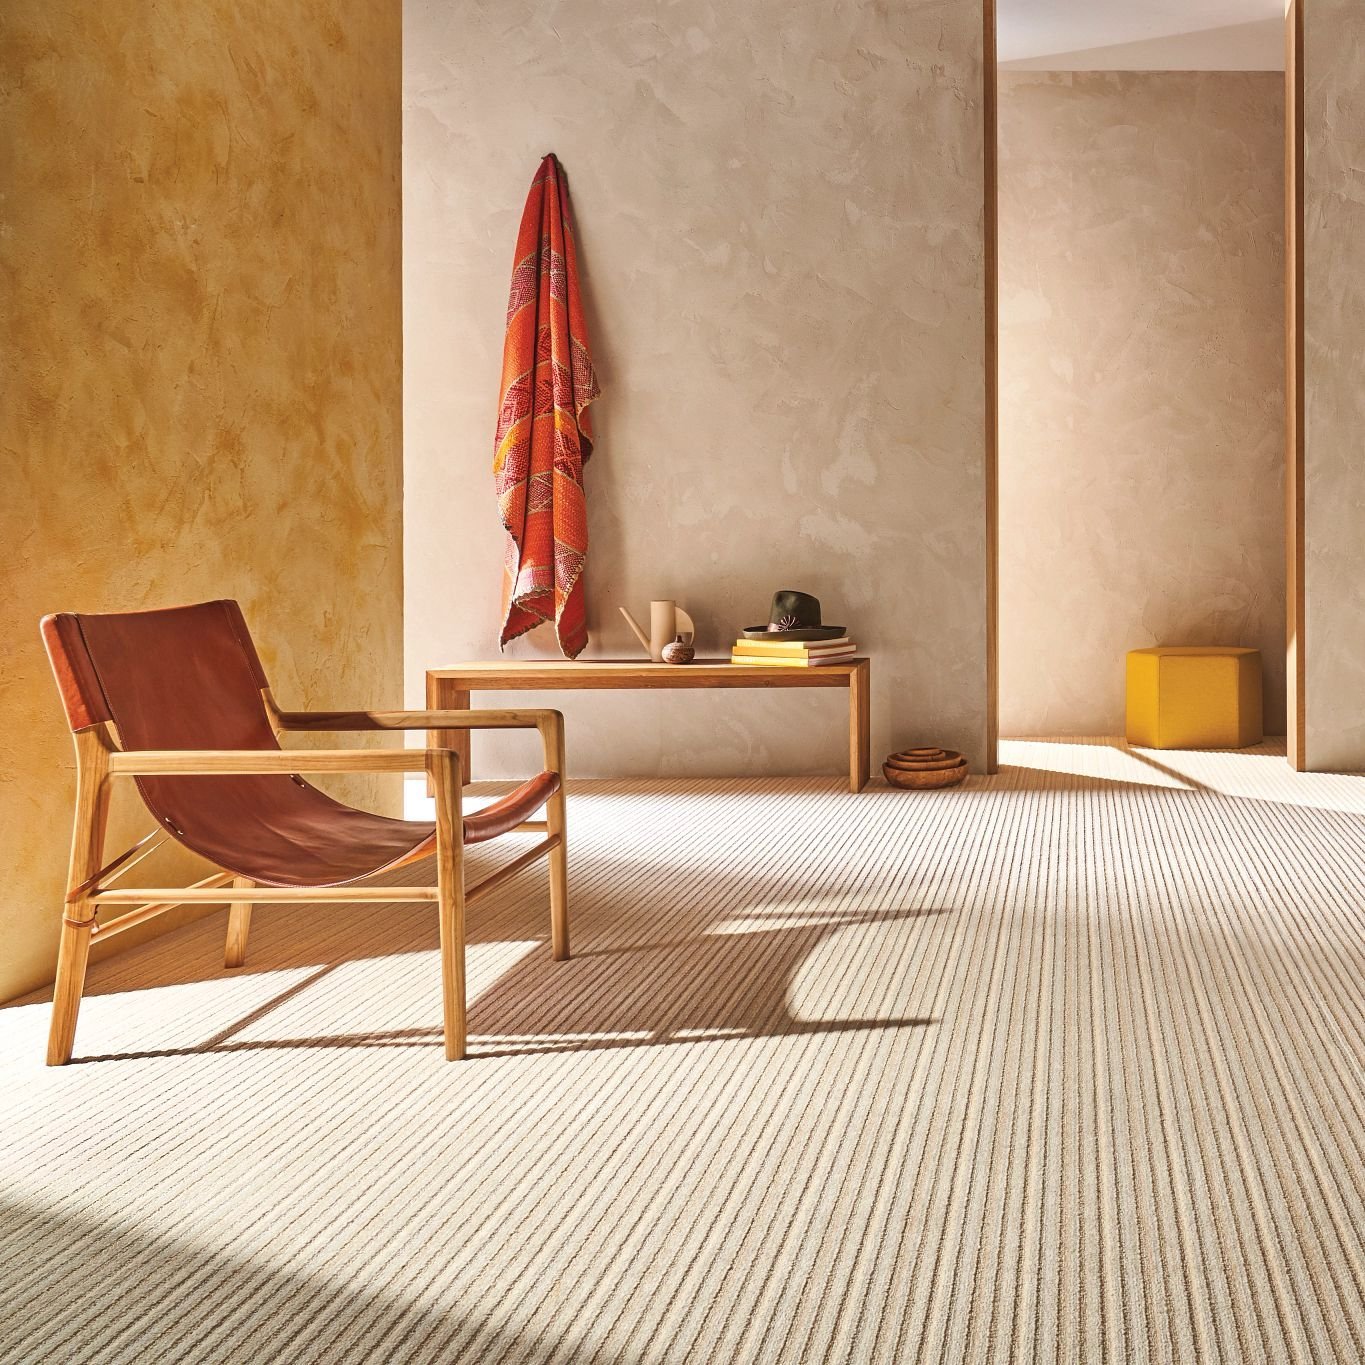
point(1137, 245)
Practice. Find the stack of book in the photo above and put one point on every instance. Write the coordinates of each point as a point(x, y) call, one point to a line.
point(792, 653)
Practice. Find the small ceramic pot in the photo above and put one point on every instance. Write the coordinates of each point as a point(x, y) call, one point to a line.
point(679, 652)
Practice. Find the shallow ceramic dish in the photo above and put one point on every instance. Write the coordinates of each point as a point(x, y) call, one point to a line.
point(923, 769)
point(949, 760)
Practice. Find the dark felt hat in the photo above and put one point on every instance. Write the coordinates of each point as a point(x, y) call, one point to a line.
point(794, 616)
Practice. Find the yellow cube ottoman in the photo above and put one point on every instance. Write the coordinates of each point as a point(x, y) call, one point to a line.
point(1191, 697)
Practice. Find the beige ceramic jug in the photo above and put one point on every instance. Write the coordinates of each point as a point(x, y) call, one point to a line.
point(667, 621)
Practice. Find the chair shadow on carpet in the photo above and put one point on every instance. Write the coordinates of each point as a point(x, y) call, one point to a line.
point(704, 987)
point(700, 988)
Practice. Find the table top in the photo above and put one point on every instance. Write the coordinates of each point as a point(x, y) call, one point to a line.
point(642, 673)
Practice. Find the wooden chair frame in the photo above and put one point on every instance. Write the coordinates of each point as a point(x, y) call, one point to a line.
point(101, 757)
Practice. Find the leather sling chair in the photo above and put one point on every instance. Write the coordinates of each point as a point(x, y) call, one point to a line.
point(177, 700)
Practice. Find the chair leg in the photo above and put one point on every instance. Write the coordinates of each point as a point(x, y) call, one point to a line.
point(450, 907)
point(72, 957)
point(239, 926)
point(443, 765)
point(78, 918)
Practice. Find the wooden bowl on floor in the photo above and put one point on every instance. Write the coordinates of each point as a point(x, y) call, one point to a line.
point(925, 769)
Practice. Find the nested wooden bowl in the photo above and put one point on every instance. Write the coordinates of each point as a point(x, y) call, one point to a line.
point(924, 769)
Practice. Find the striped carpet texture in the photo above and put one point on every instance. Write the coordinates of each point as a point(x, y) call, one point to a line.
point(1064, 1065)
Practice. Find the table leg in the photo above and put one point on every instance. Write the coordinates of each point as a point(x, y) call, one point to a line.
point(859, 726)
point(444, 695)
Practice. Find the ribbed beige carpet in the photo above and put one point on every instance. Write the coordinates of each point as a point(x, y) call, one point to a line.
point(1061, 1066)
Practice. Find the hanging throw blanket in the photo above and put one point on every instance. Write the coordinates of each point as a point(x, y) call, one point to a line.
point(544, 435)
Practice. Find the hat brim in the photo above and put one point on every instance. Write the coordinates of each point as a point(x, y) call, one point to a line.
point(808, 633)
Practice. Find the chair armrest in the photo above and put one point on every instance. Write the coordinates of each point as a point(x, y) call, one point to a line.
point(184, 762)
point(550, 723)
point(338, 722)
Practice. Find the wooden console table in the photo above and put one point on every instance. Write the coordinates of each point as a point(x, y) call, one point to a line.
point(450, 688)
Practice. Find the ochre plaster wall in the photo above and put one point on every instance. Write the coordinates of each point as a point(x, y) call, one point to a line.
point(1334, 384)
point(200, 305)
point(780, 220)
point(1142, 382)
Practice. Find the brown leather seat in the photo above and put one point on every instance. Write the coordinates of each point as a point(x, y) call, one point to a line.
point(190, 678)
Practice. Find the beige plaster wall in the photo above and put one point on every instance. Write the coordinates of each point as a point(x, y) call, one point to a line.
point(200, 307)
point(1142, 382)
point(780, 216)
point(1334, 384)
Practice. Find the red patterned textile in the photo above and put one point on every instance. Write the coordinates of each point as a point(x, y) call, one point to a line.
point(544, 434)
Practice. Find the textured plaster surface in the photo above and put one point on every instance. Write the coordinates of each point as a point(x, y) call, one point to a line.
point(779, 211)
point(1334, 384)
point(1142, 380)
point(200, 301)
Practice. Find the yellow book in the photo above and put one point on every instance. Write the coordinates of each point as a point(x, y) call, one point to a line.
point(799, 649)
point(782, 661)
